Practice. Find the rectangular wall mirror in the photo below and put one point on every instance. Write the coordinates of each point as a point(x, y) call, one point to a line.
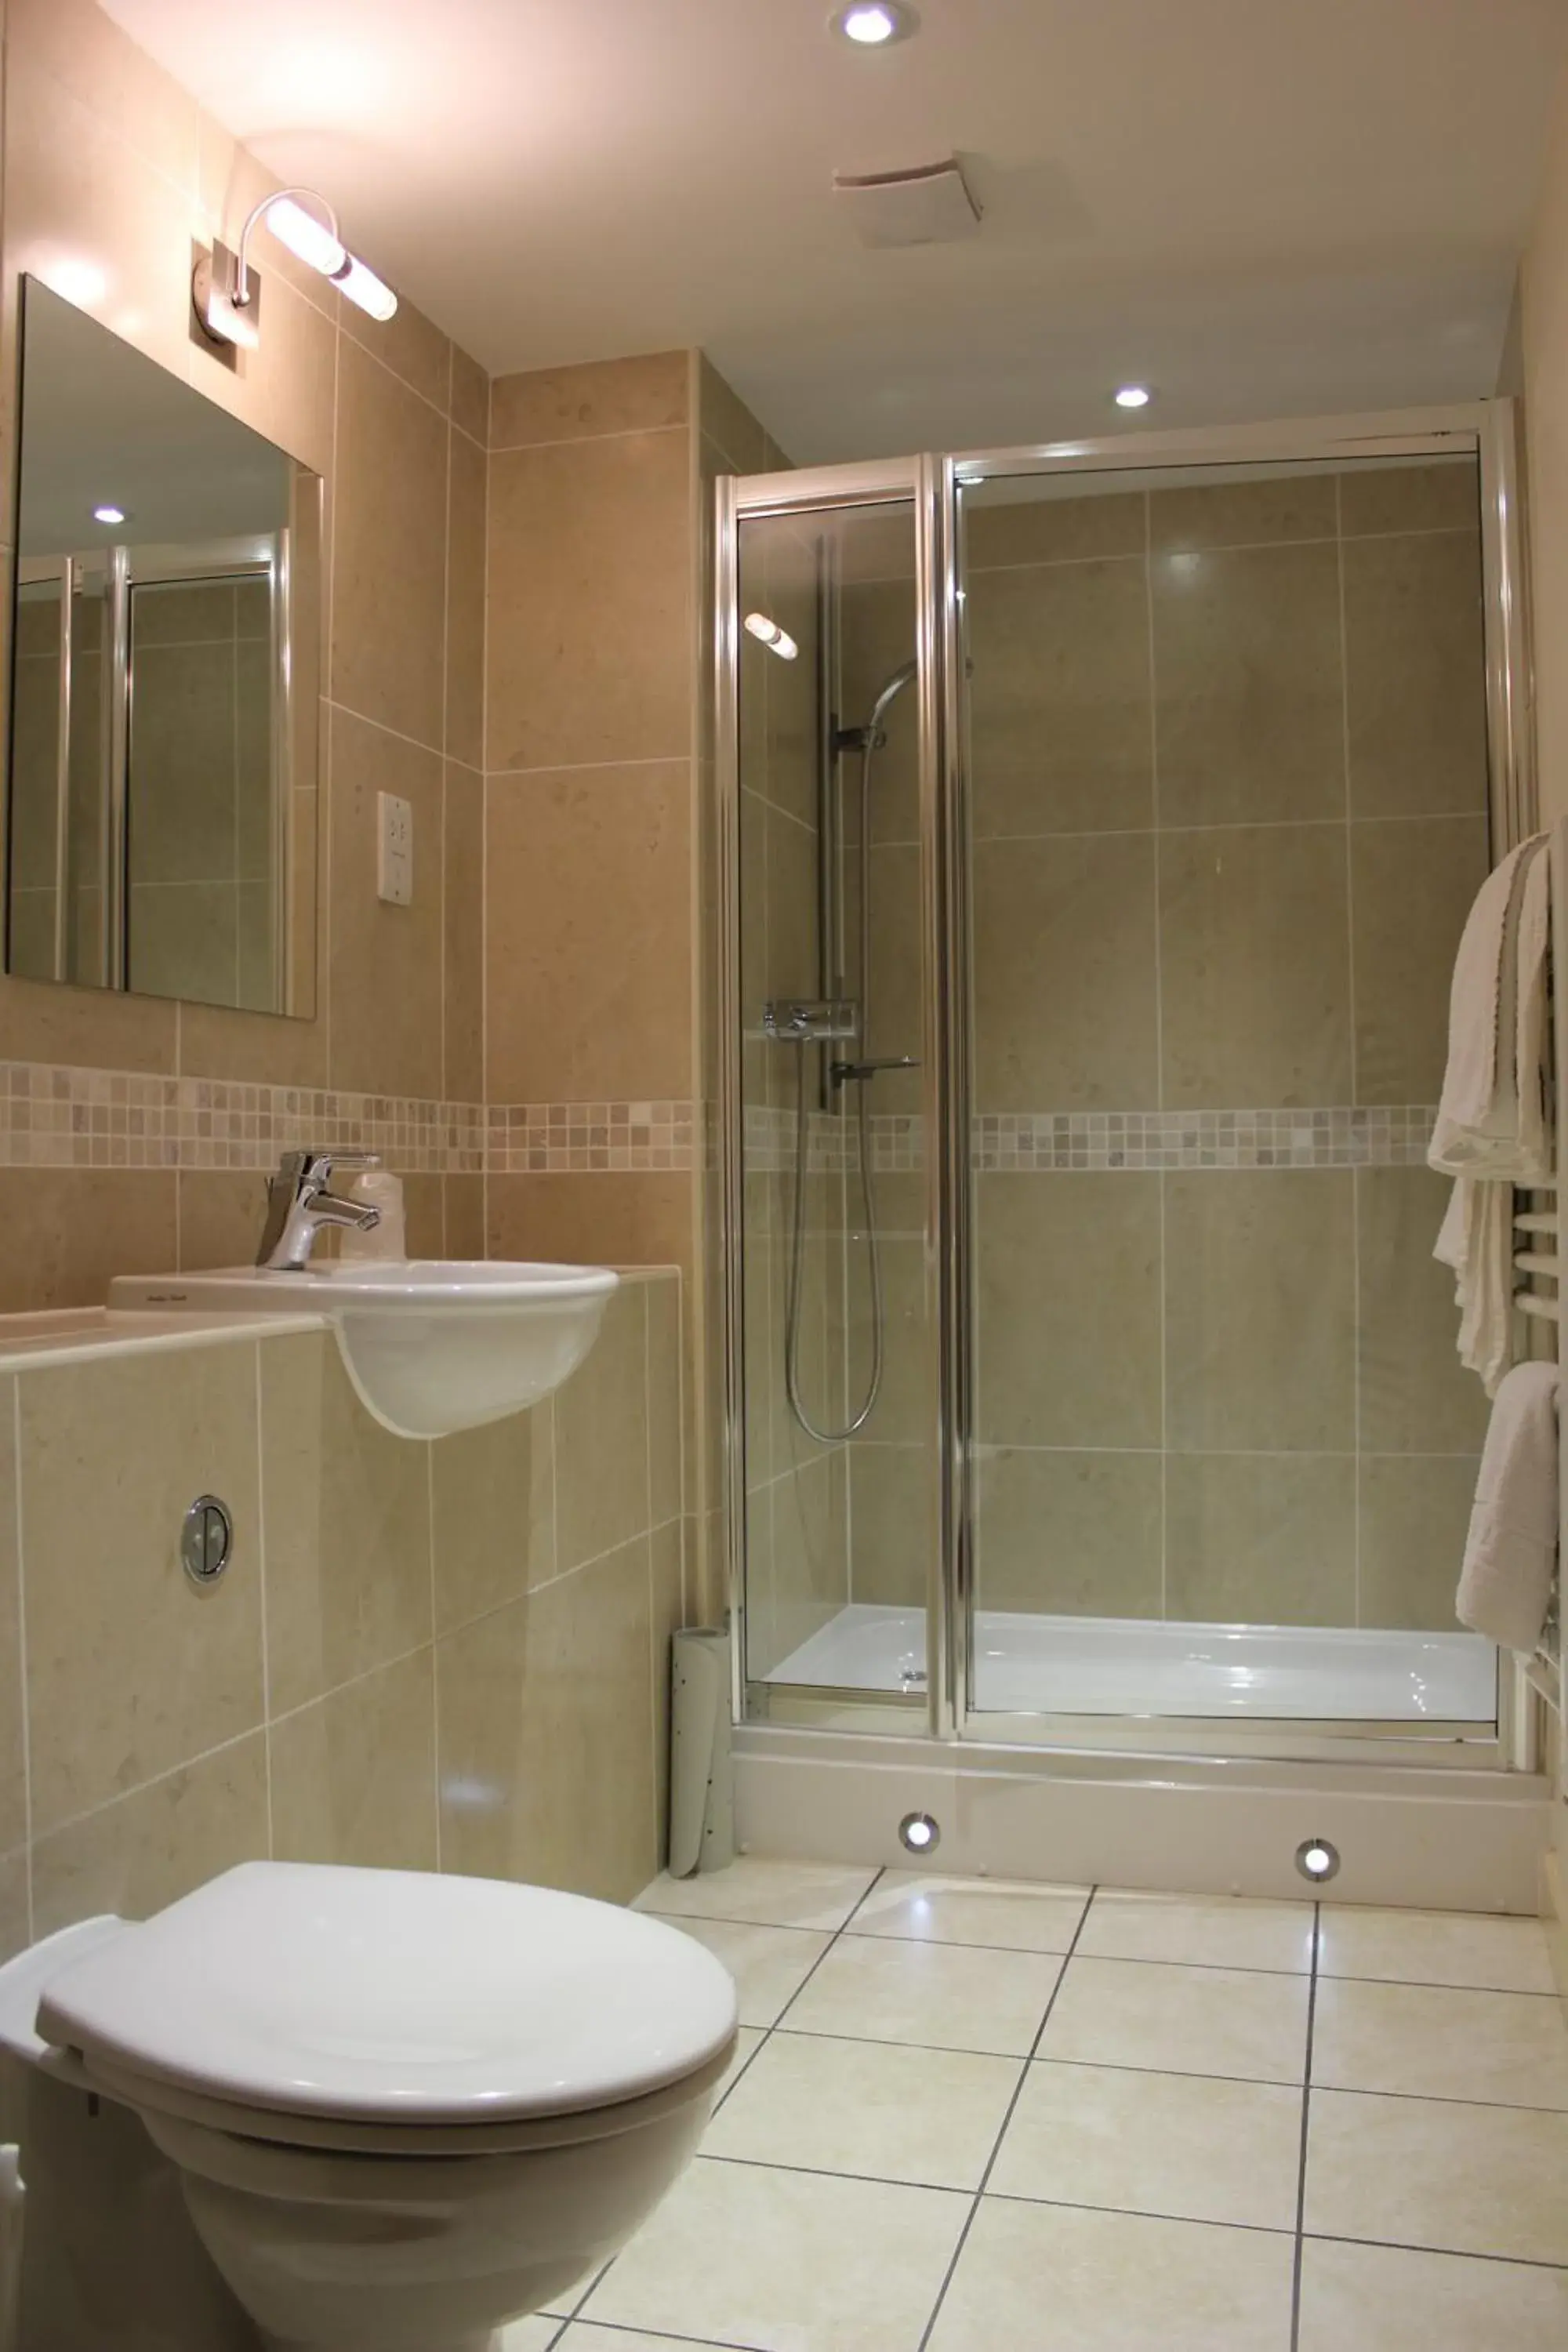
point(165, 679)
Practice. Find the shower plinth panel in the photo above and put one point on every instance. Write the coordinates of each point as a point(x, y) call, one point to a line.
point(1028, 1664)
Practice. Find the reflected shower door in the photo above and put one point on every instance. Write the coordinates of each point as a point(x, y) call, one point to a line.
point(1227, 786)
point(836, 1443)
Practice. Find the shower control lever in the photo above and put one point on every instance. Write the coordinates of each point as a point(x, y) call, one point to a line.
point(842, 1073)
point(810, 1021)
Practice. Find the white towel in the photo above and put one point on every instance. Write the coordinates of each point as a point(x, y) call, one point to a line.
point(1505, 1585)
point(1493, 1126)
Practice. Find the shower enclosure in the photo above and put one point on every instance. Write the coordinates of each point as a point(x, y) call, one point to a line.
point(1099, 821)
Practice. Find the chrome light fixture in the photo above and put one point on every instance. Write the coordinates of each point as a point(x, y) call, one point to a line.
point(1318, 1860)
point(920, 1833)
point(224, 290)
point(768, 633)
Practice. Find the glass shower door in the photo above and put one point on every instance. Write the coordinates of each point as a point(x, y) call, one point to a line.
point(1226, 792)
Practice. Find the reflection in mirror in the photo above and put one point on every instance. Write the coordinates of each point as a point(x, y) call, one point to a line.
point(165, 676)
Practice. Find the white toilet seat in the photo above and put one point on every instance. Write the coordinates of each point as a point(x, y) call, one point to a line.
point(382, 2011)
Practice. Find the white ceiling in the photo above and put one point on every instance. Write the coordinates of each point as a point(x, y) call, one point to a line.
point(1264, 207)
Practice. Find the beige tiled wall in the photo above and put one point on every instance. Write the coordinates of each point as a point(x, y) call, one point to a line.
point(110, 168)
point(422, 1655)
point(1229, 776)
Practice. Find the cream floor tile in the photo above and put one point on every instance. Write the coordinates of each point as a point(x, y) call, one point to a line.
point(777, 1893)
point(786, 2261)
point(748, 2042)
point(1042, 2278)
point(769, 1964)
point(946, 1995)
point(530, 2336)
point(1201, 1931)
point(874, 2108)
point(1187, 2146)
point(1429, 2041)
point(1381, 2299)
point(1420, 2172)
point(1444, 1948)
point(1181, 2021)
point(1001, 1912)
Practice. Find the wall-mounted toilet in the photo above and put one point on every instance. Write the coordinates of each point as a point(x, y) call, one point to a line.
point(402, 2109)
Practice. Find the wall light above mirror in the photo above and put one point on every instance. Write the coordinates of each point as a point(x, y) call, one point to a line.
point(166, 665)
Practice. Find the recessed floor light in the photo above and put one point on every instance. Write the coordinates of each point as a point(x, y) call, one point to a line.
point(872, 24)
point(1132, 395)
point(109, 514)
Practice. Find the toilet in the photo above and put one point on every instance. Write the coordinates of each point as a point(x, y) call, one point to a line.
point(399, 2110)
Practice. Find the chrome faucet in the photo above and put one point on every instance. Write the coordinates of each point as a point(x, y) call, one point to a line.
point(299, 1205)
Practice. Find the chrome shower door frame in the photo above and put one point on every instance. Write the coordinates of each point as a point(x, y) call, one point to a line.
point(1489, 430)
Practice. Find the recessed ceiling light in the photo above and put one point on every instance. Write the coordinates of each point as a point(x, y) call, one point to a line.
point(109, 514)
point(1132, 395)
point(872, 24)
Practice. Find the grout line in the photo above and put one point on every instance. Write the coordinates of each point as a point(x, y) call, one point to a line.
point(1005, 2126)
point(363, 718)
point(626, 432)
point(1306, 2124)
point(592, 767)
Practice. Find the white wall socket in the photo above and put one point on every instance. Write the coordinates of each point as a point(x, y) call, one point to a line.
point(393, 850)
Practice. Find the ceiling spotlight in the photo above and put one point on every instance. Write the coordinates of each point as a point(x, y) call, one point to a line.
point(227, 298)
point(1318, 1860)
point(109, 514)
point(768, 633)
point(872, 24)
point(920, 1833)
point(1132, 395)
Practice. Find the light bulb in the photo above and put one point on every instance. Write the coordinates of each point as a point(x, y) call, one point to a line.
point(109, 514)
point(768, 633)
point(872, 24)
point(363, 286)
point(919, 1833)
point(304, 234)
point(1132, 395)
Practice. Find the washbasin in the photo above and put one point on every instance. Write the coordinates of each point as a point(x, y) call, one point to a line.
point(432, 1345)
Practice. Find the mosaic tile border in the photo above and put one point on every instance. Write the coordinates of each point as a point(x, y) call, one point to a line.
point(61, 1117)
point(1037, 1142)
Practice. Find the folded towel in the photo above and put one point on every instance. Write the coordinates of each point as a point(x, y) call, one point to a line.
point(1505, 1585)
point(1493, 1127)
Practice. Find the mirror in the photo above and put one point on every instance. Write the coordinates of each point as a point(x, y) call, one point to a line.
point(165, 675)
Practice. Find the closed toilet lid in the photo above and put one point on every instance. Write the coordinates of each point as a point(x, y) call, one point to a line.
point(394, 1995)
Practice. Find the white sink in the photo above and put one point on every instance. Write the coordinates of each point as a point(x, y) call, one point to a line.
point(431, 1344)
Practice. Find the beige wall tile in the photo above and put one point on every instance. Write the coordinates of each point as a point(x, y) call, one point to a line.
point(1044, 529)
point(878, 622)
point(424, 1211)
point(15, 1915)
point(1414, 684)
point(891, 1520)
point(131, 1669)
point(586, 403)
point(546, 1761)
point(87, 1027)
point(493, 1500)
point(613, 1219)
point(389, 551)
point(589, 655)
point(1074, 1533)
point(465, 523)
point(463, 976)
point(1249, 693)
point(1217, 513)
point(1255, 967)
point(1260, 1310)
point(464, 1204)
point(1414, 1517)
point(13, 1746)
point(1068, 1306)
point(666, 1374)
point(1066, 982)
point(1059, 732)
point(142, 1853)
point(409, 344)
point(102, 66)
point(354, 1775)
point(1436, 497)
point(727, 419)
point(600, 1438)
point(1411, 889)
point(1415, 1396)
point(904, 1408)
point(68, 1230)
point(386, 961)
point(348, 1527)
point(588, 935)
point(810, 1547)
point(1261, 1538)
point(221, 1217)
point(897, 1022)
point(470, 401)
point(764, 1645)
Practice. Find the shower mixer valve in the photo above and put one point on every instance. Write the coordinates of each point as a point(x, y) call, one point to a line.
point(811, 1021)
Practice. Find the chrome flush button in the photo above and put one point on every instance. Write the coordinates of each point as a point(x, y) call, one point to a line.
point(206, 1539)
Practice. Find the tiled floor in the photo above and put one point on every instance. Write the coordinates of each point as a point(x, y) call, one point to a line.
point(973, 2118)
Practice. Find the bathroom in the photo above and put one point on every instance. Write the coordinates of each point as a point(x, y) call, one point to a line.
point(903, 764)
